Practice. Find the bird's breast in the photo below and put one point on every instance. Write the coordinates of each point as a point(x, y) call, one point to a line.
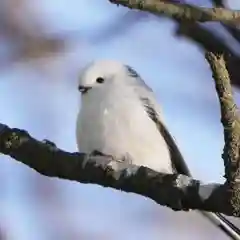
point(121, 127)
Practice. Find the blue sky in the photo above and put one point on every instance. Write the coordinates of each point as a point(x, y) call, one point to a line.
point(41, 97)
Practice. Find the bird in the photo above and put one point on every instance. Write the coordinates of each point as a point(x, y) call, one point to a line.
point(121, 117)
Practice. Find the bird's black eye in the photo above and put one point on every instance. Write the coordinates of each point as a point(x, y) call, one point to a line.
point(100, 80)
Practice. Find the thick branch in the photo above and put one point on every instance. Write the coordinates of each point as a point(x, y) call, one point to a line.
point(182, 11)
point(231, 123)
point(178, 192)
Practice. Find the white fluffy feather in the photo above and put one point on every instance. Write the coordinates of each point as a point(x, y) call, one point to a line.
point(113, 120)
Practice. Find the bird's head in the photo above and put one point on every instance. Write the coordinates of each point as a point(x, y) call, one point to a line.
point(104, 73)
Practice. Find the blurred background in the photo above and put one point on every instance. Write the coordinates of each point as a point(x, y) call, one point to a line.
point(43, 46)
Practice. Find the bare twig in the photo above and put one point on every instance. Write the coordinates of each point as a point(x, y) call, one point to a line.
point(182, 11)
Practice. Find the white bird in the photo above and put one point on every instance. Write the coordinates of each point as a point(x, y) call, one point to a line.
point(120, 116)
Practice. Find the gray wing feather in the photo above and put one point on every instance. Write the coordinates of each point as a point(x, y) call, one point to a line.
point(178, 163)
point(152, 108)
point(132, 73)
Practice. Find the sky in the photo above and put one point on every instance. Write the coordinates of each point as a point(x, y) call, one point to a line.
point(41, 97)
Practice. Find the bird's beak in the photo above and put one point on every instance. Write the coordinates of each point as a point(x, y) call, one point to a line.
point(83, 89)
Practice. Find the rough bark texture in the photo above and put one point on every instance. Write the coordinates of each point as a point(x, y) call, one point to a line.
point(231, 125)
point(178, 192)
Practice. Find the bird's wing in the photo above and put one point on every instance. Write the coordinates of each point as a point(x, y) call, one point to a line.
point(178, 163)
point(151, 106)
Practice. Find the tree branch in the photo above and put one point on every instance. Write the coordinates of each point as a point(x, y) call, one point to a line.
point(231, 124)
point(178, 192)
point(182, 11)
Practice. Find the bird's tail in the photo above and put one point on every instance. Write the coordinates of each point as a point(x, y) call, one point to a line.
point(224, 224)
point(180, 167)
